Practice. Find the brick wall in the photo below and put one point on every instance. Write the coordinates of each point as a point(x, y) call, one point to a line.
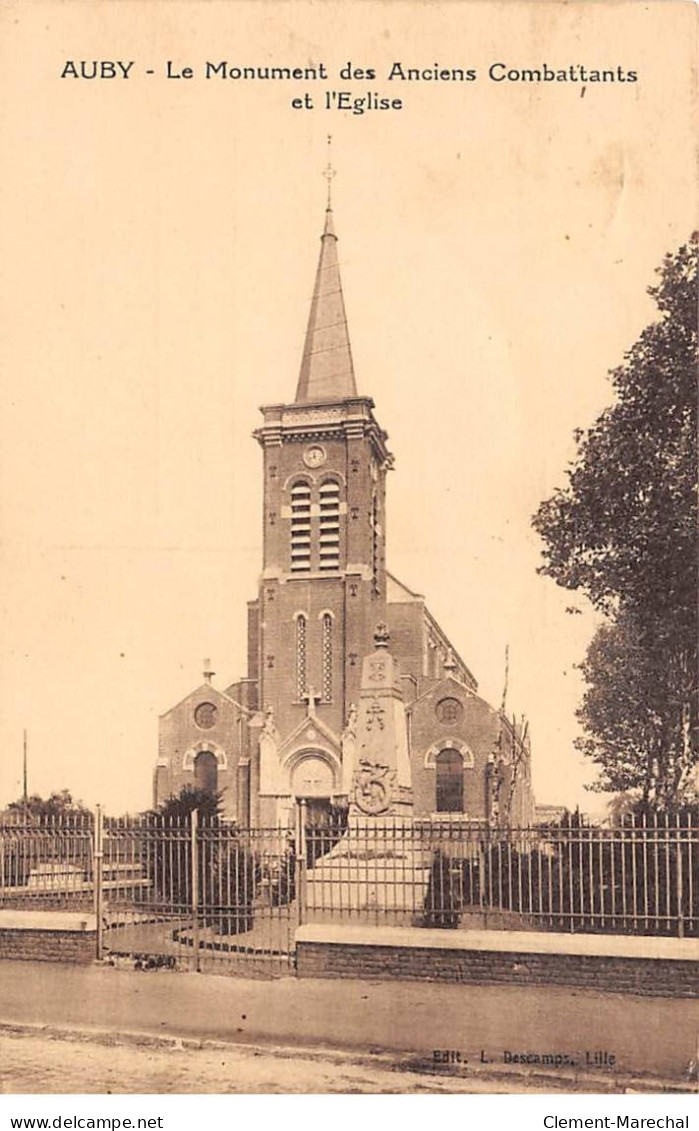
point(647, 976)
point(45, 936)
point(48, 946)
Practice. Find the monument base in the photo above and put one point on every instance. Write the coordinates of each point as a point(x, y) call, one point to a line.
point(375, 866)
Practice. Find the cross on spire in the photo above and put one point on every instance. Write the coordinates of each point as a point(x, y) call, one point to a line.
point(329, 173)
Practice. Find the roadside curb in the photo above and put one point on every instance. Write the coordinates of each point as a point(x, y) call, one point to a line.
point(398, 1062)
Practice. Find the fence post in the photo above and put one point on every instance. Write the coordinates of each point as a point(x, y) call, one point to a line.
point(301, 860)
point(489, 870)
point(680, 885)
point(194, 882)
point(97, 857)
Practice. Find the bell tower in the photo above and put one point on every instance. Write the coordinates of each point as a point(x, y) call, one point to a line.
point(323, 582)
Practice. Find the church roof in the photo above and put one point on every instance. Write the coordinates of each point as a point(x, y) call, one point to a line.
point(210, 692)
point(327, 372)
point(397, 592)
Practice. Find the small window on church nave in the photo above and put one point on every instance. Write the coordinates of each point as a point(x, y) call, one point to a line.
point(449, 769)
point(449, 711)
point(206, 771)
point(205, 715)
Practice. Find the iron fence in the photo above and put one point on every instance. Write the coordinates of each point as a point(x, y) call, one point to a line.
point(636, 877)
point(198, 893)
point(47, 863)
point(205, 894)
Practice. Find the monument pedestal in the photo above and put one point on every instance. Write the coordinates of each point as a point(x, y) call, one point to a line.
point(377, 865)
point(370, 869)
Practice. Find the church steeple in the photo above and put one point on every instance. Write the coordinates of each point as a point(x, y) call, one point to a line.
point(327, 372)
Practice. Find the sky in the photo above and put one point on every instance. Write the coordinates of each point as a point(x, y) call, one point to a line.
point(158, 244)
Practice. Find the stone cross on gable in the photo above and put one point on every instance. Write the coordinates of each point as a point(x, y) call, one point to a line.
point(311, 697)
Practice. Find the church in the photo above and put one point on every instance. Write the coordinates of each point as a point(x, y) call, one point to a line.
point(326, 603)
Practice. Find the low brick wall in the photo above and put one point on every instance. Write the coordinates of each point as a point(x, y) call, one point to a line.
point(656, 967)
point(48, 936)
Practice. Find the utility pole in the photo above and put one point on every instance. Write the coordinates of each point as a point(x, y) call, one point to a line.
point(25, 792)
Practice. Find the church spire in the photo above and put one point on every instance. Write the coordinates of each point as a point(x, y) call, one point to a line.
point(327, 372)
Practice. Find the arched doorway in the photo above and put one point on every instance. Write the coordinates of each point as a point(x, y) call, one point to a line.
point(312, 778)
point(206, 771)
point(450, 782)
point(313, 782)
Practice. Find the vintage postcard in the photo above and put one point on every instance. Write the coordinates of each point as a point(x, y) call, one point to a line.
point(348, 555)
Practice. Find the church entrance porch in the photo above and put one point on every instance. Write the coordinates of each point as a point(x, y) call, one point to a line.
point(325, 824)
point(315, 805)
point(312, 778)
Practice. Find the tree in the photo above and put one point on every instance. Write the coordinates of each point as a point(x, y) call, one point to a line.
point(179, 807)
point(59, 804)
point(623, 532)
point(629, 702)
point(227, 871)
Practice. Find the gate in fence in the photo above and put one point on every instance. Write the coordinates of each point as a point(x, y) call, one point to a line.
point(203, 894)
point(197, 894)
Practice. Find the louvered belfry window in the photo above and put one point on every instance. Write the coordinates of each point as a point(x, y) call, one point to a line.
point(329, 527)
point(300, 528)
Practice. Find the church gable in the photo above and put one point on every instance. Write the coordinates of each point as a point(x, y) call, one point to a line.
point(205, 693)
point(453, 734)
point(200, 743)
point(450, 709)
point(309, 731)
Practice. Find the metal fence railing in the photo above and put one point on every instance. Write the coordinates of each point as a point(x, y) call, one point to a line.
point(636, 877)
point(47, 863)
point(205, 894)
point(197, 892)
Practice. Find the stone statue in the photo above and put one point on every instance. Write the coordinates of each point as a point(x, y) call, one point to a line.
point(351, 724)
point(269, 726)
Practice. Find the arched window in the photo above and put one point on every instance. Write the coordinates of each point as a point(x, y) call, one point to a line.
point(450, 781)
point(375, 539)
point(206, 771)
point(329, 541)
point(300, 527)
point(327, 658)
point(301, 656)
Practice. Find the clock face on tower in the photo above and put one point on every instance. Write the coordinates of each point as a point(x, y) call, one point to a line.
point(314, 456)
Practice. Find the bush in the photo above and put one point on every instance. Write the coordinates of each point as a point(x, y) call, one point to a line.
point(227, 872)
point(443, 896)
point(282, 878)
